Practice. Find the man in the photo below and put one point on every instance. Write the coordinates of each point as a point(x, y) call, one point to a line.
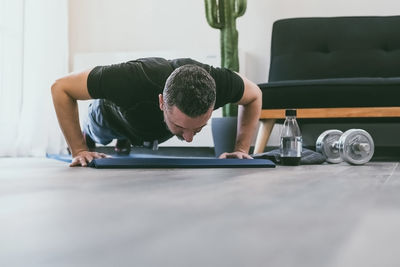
point(150, 100)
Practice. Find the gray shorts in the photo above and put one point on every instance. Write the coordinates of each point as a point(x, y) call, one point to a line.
point(97, 128)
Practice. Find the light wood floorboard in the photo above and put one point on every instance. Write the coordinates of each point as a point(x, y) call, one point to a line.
point(320, 215)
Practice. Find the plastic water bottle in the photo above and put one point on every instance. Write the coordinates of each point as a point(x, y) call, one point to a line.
point(291, 140)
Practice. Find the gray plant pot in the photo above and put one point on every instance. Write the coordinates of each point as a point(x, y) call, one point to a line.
point(224, 134)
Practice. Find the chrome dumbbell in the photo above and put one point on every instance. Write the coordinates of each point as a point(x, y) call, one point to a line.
point(354, 146)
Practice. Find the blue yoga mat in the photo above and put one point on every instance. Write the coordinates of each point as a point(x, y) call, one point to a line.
point(109, 163)
point(68, 158)
point(151, 161)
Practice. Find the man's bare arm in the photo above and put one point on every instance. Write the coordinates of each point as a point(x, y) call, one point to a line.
point(66, 91)
point(248, 116)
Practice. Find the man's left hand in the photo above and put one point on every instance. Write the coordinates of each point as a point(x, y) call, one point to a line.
point(235, 155)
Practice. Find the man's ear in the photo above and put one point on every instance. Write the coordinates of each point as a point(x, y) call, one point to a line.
point(161, 101)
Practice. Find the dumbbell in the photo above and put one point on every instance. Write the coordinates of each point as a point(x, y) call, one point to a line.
point(354, 146)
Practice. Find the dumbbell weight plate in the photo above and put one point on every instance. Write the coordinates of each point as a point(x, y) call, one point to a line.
point(326, 145)
point(350, 149)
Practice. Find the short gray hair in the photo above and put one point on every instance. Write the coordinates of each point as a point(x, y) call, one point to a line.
point(191, 89)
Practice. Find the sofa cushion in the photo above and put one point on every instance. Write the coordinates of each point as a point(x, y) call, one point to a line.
point(327, 93)
point(335, 47)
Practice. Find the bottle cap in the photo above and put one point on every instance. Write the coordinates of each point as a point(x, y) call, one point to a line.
point(290, 112)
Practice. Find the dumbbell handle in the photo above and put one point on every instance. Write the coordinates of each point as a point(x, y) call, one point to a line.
point(364, 147)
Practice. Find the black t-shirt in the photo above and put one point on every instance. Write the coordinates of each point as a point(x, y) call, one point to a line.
point(130, 91)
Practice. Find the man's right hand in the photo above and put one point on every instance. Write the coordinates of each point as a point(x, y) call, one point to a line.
point(84, 157)
point(66, 91)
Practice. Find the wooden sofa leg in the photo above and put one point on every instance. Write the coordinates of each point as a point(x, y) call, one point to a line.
point(263, 134)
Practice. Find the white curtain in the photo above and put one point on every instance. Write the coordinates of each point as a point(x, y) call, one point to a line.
point(33, 53)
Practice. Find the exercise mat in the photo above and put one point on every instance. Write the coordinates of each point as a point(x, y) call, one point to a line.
point(128, 162)
point(68, 158)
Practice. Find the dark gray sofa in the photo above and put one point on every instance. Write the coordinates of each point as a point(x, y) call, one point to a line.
point(336, 67)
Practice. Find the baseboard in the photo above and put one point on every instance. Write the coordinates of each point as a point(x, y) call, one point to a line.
point(163, 150)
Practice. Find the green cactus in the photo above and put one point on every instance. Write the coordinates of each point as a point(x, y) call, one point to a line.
point(222, 14)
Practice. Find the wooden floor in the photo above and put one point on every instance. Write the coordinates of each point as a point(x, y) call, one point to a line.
point(321, 215)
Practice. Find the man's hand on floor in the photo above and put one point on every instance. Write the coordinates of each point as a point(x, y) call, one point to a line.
point(235, 155)
point(84, 157)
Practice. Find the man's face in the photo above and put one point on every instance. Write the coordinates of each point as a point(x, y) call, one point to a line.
point(181, 125)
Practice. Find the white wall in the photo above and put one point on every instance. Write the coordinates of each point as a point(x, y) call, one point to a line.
point(180, 25)
point(137, 25)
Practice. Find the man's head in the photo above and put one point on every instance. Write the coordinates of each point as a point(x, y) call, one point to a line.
point(188, 101)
